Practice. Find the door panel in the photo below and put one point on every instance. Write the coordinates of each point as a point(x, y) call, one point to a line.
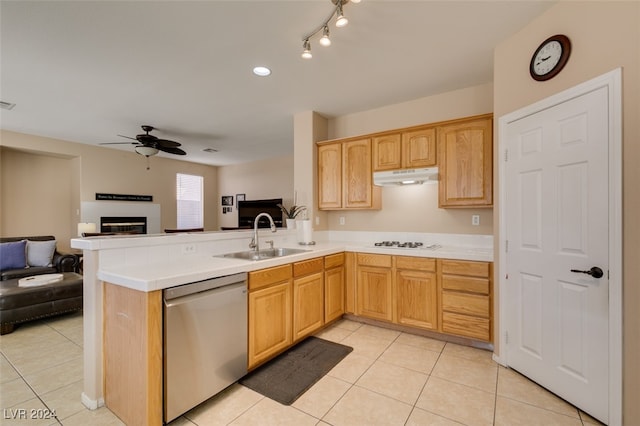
point(557, 220)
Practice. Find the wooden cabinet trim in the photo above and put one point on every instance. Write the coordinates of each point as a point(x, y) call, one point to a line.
point(370, 259)
point(407, 129)
point(266, 277)
point(333, 260)
point(415, 263)
point(307, 267)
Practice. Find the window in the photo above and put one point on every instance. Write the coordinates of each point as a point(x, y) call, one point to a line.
point(189, 198)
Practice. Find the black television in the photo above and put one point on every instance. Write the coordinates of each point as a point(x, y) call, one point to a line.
point(249, 209)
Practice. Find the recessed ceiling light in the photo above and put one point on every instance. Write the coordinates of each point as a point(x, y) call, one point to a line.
point(261, 71)
point(211, 150)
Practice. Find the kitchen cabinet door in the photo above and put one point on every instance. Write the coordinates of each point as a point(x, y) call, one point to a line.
point(333, 293)
point(330, 176)
point(417, 294)
point(374, 293)
point(308, 305)
point(387, 152)
point(419, 148)
point(465, 151)
point(358, 191)
point(270, 329)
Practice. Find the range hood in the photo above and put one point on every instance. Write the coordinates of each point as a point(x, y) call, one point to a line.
point(406, 176)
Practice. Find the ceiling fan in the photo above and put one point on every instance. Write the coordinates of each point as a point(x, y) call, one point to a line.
point(149, 145)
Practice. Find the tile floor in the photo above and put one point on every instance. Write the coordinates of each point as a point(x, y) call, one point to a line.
point(390, 378)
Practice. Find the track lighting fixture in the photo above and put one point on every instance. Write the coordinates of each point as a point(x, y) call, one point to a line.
point(341, 21)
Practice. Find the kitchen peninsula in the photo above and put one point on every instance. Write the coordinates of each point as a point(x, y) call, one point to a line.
point(124, 277)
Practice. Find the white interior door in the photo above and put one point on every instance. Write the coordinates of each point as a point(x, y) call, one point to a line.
point(557, 207)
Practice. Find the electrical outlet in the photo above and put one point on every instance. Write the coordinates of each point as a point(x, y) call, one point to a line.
point(188, 248)
point(341, 220)
point(475, 219)
point(317, 220)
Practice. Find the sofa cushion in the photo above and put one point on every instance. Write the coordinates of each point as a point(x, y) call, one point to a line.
point(13, 255)
point(40, 253)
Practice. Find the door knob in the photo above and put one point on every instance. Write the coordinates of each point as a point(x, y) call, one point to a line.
point(595, 272)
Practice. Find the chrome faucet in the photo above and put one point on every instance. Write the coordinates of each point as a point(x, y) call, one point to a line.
point(254, 242)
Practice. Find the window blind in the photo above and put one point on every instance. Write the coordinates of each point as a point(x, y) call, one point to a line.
point(189, 190)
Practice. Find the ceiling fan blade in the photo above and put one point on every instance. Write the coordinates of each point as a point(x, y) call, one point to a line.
point(167, 143)
point(120, 143)
point(171, 150)
point(128, 137)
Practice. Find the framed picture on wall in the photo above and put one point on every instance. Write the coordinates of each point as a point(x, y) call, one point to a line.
point(240, 197)
point(227, 200)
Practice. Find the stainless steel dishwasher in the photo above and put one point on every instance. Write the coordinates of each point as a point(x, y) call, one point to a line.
point(205, 340)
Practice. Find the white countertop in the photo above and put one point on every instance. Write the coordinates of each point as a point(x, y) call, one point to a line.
point(197, 267)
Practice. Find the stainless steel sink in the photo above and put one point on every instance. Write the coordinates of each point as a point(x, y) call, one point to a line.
point(269, 253)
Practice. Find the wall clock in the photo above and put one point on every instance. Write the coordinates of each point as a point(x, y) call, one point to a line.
point(550, 57)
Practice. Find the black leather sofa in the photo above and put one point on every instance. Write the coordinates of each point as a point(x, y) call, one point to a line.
point(62, 262)
point(20, 304)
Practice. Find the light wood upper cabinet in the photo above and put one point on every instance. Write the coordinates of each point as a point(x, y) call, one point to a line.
point(465, 160)
point(419, 148)
point(405, 150)
point(345, 176)
point(330, 176)
point(387, 152)
point(357, 184)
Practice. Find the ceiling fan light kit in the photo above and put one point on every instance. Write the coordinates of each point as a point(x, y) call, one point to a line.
point(341, 21)
point(149, 145)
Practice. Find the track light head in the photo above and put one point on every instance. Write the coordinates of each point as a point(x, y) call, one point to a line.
point(306, 52)
point(341, 21)
point(325, 40)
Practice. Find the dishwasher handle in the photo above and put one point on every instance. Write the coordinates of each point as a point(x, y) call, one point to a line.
point(170, 303)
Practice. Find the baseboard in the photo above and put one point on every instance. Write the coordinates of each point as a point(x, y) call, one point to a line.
point(91, 404)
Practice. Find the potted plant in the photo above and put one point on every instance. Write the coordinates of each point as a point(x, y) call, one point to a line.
point(291, 214)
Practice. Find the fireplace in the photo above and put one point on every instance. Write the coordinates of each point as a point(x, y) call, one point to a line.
point(123, 224)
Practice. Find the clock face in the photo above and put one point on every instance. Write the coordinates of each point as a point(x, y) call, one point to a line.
point(547, 58)
point(550, 57)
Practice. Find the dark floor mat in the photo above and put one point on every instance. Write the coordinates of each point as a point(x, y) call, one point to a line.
point(290, 374)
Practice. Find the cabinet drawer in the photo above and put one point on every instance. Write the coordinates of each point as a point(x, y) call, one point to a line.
point(472, 285)
point(463, 325)
point(368, 259)
point(471, 304)
point(415, 263)
point(265, 277)
point(333, 260)
point(308, 267)
point(462, 267)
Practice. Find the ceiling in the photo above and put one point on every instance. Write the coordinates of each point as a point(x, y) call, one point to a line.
point(88, 71)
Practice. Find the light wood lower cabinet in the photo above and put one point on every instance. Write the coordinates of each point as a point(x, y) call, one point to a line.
point(133, 354)
point(374, 286)
point(447, 296)
point(466, 298)
point(416, 292)
point(270, 329)
point(308, 297)
point(334, 291)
